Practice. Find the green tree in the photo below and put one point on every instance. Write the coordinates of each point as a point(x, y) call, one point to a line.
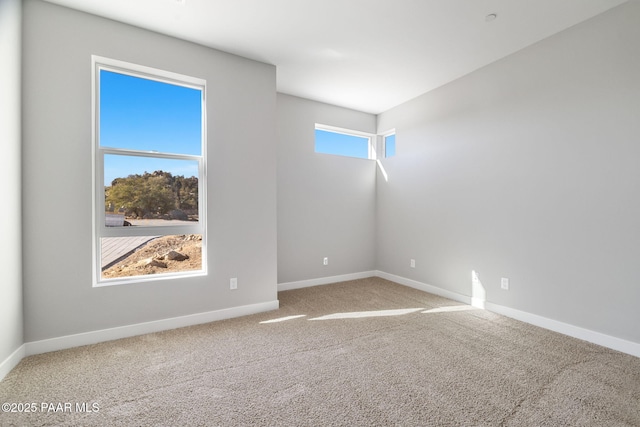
point(151, 193)
point(187, 193)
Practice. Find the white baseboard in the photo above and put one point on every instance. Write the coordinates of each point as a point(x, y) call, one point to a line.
point(12, 361)
point(424, 287)
point(93, 337)
point(325, 280)
point(624, 346)
point(614, 343)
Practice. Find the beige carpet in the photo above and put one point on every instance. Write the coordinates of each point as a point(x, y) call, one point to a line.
point(367, 352)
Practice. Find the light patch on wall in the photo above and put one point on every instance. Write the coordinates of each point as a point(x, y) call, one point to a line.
point(382, 169)
point(478, 293)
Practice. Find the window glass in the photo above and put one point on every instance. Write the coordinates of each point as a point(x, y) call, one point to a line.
point(149, 146)
point(141, 114)
point(136, 256)
point(151, 188)
point(390, 145)
point(342, 144)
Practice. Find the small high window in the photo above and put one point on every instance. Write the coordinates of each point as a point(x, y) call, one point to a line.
point(390, 145)
point(343, 142)
point(149, 173)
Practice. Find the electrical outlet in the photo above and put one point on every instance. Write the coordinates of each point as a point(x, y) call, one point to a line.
point(325, 261)
point(412, 263)
point(233, 283)
point(504, 283)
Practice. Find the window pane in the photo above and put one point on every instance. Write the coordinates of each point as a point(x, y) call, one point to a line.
point(147, 115)
point(145, 255)
point(390, 145)
point(150, 191)
point(341, 144)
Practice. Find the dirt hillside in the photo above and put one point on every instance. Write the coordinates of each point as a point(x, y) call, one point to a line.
point(152, 257)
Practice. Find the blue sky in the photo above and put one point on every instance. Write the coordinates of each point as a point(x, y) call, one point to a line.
point(341, 144)
point(147, 115)
point(390, 145)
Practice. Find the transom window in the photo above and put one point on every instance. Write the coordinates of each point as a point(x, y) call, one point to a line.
point(149, 174)
point(343, 142)
point(390, 144)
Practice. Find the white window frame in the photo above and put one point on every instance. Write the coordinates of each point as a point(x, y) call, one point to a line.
point(371, 152)
point(100, 229)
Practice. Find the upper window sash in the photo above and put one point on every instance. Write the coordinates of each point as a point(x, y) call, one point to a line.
point(171, 124)
point(149, 76)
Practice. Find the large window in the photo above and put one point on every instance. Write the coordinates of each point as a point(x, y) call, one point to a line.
point(343, 142)
point(149, 153)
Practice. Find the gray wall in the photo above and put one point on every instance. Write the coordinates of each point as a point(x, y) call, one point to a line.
point(10, 226)
point(527, 169)
point(326, 203)
point(59, 298)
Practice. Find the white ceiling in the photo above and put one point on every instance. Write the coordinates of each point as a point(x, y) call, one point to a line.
point(369, 55)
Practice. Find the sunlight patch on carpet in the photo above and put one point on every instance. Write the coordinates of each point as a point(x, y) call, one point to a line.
point(283, 319)
point(361, 314)
point(451, 308)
